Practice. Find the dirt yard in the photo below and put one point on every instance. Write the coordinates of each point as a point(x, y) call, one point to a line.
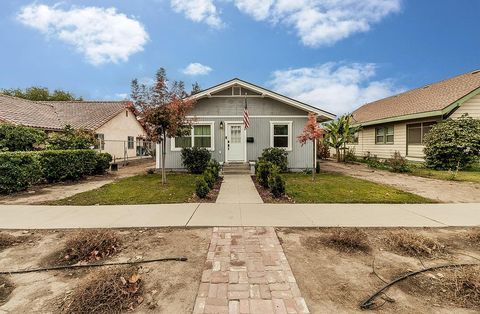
point(335, 274)
point(51, 192)
point(166, 287)
point(440, 190)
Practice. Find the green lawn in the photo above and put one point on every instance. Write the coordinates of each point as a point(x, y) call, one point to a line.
point(336, 188)
point(141, 189)
point(469, 176)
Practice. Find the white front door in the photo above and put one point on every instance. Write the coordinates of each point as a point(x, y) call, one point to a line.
point(234, 145)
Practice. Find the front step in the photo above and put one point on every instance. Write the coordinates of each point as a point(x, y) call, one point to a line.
point(236, 168)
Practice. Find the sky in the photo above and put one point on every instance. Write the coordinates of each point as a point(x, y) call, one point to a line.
point(333, 54)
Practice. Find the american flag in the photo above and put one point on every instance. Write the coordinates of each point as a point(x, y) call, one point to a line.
point(246, 118)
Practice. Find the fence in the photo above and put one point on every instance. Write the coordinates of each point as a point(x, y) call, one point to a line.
point(124, 151)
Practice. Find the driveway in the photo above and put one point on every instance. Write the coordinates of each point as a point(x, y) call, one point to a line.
point(52, 192)
point(216, 214)
point(440, 190)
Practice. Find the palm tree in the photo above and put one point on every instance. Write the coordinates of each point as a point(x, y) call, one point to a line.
point(339, 132)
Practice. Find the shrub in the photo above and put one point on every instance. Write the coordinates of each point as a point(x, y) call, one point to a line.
point(215, 167)
point(277, 156)
point(262, 171)
point(20, 138)
point(350, 155)
point(60, 165)
point(398, 163)
point(105, 291)
point(201, 188)
point(453, 144)
point(277, 185)
point(412, 244)
point(323, 150)
point(209, 177)
point(18, 171)
point(70, 138)
point(102, 162)
point(89, 246)
point(195, 159)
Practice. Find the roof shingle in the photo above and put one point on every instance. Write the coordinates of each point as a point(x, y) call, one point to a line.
point(55, 115)
point(433, 97)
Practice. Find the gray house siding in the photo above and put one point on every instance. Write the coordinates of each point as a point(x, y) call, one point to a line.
point(233, 106)
point(262, 111)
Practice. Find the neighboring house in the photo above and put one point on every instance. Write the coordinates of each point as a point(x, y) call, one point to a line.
point(275, 121)
point(114, 124)
point(400, 122)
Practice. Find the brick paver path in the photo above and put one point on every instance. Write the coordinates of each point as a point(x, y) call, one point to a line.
point(247, 272)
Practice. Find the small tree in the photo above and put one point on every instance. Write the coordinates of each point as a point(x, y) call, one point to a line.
point(339, 133)
point(70, 138)
point(164, 108)
point(311, 132)
point(453, 144)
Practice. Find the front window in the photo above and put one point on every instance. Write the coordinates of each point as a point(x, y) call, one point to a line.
point(384, 135)
point(281, 135)
point(131, 139)
point(353, 139)
point(416, 132)
point(201, 135)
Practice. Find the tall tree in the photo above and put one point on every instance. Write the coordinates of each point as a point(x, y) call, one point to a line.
point(164, 108)
point(195, 88)
point(40, 94)
point(311, 132)
point(339, 133)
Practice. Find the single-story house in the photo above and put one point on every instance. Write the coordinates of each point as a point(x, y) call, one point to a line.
point(274, 121)
point(115, 125)
point(400, 122)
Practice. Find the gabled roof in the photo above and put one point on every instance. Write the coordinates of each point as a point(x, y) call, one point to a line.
point(55, 115)
point(30, 113)
point(431, 100)
point(264, 93)
point(88, 115)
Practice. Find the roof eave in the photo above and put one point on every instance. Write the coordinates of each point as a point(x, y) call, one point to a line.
point(264, 92)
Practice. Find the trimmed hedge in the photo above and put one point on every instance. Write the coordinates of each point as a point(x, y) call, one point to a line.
point(61, 165)
point(102, 162)
point(20, 170)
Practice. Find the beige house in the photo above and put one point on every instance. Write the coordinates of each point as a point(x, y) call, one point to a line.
point(113, 122)
point(399, 123)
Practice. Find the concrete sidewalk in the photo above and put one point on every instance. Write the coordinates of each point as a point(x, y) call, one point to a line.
point(209, 214)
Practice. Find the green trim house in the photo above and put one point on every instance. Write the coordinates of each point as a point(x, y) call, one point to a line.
point(400, 122)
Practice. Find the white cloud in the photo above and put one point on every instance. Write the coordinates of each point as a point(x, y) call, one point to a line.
point(321, 22)
point(198, 11)
point(316, 22)
point(335, 87)
point(121, 96)
point(197, 69)
point(101, 35)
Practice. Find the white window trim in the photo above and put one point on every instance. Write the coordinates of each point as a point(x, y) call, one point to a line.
point(289, 123)
point(212, 136)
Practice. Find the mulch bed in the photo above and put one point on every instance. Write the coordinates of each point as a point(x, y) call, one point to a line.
point(267, 196)
point(212, 195)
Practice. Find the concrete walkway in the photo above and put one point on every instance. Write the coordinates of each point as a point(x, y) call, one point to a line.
point(209, 214)
point(247, 272)
point(238, 189)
